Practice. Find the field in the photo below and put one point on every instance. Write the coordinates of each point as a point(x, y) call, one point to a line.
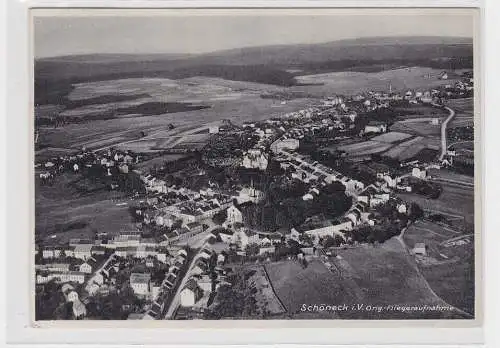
point(449, 264)
point(63, 212)
point(365, 148)
point(265, 297)
point(237, 101)
point(391, 137)
point(313, 285)
point(348, 83)
point(160, 161)
point(419, 127)
point(464, 109)
point(370, 275)
point(117, 111)
point(397, 145)
point(418, 112)
point(456, 200)
point(411, 148)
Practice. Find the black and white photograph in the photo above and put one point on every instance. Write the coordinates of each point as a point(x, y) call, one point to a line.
point(255, 164)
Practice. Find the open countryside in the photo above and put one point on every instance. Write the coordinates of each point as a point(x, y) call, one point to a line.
point(332, 183)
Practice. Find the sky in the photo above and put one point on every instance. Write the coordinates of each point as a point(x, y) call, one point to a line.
point(141, 34)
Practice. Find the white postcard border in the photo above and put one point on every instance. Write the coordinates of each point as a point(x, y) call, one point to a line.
point(20, 172)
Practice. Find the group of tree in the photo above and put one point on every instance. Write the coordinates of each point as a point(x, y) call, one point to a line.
point(284, 207)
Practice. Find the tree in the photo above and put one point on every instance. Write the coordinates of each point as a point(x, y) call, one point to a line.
point(416, 212)
point(252, 249)
point(220, 217)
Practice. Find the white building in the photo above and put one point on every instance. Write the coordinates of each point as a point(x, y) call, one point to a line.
point(190, 294)
point(285, 144)
point(419, 173)
point(249, 194)
point(83, 251)
point(330, 230)
point(140, 283)
point(254, 158)
point(234, 215)
point(375, 127)
point(420, 249)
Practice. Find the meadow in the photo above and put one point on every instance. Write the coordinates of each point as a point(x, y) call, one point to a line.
point(64, 211)
point(224, 99)
point(448, 269)
point(456, 200)
point(396, 145)
point(464, 109)
point(372, 275)
point(350, 82)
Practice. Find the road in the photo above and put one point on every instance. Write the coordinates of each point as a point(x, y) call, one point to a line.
point(176, 301)
point(443, 130)
point(91, 280)
point(197, 243)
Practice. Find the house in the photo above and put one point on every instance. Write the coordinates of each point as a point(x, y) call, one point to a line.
point(244, 237)
point(249, 194)
point(267, 250)
point(88, 266)
point(79, 310)
point(265, 241)
point(62, 277)
point(204, 253)
point(143, 251)
point(355, 216)
point(307, 197)
point(170, 281)
point(182, 252)
point(375, 127)
point(191, 293)
point(83, 251)
point(331, 230)
point(53, 267)
point(162, 256)
point(125, 251)
point(420, 249)
point(285, 144)
point(51, 252)
point(294, 234)
point(140, 283)
point(214, 129)
point(255, 158)
point(200, 267)
point(221, 258)
point(194, 227)
point(97, 250)
point(234, 215)
point(205, 283)
point(402, 208)
point(419, 173)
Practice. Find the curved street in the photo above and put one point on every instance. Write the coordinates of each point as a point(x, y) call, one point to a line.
point(444, 147)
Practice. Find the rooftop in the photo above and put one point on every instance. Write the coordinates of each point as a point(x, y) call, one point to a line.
point(140, 278)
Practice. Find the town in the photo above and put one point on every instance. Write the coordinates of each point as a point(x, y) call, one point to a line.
point(211, 225)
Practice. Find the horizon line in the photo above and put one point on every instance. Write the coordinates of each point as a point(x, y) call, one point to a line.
point(248, 47)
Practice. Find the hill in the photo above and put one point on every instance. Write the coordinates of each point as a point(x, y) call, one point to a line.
point(268, 64)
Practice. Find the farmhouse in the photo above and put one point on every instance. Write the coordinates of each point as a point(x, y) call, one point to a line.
point(420, 249)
